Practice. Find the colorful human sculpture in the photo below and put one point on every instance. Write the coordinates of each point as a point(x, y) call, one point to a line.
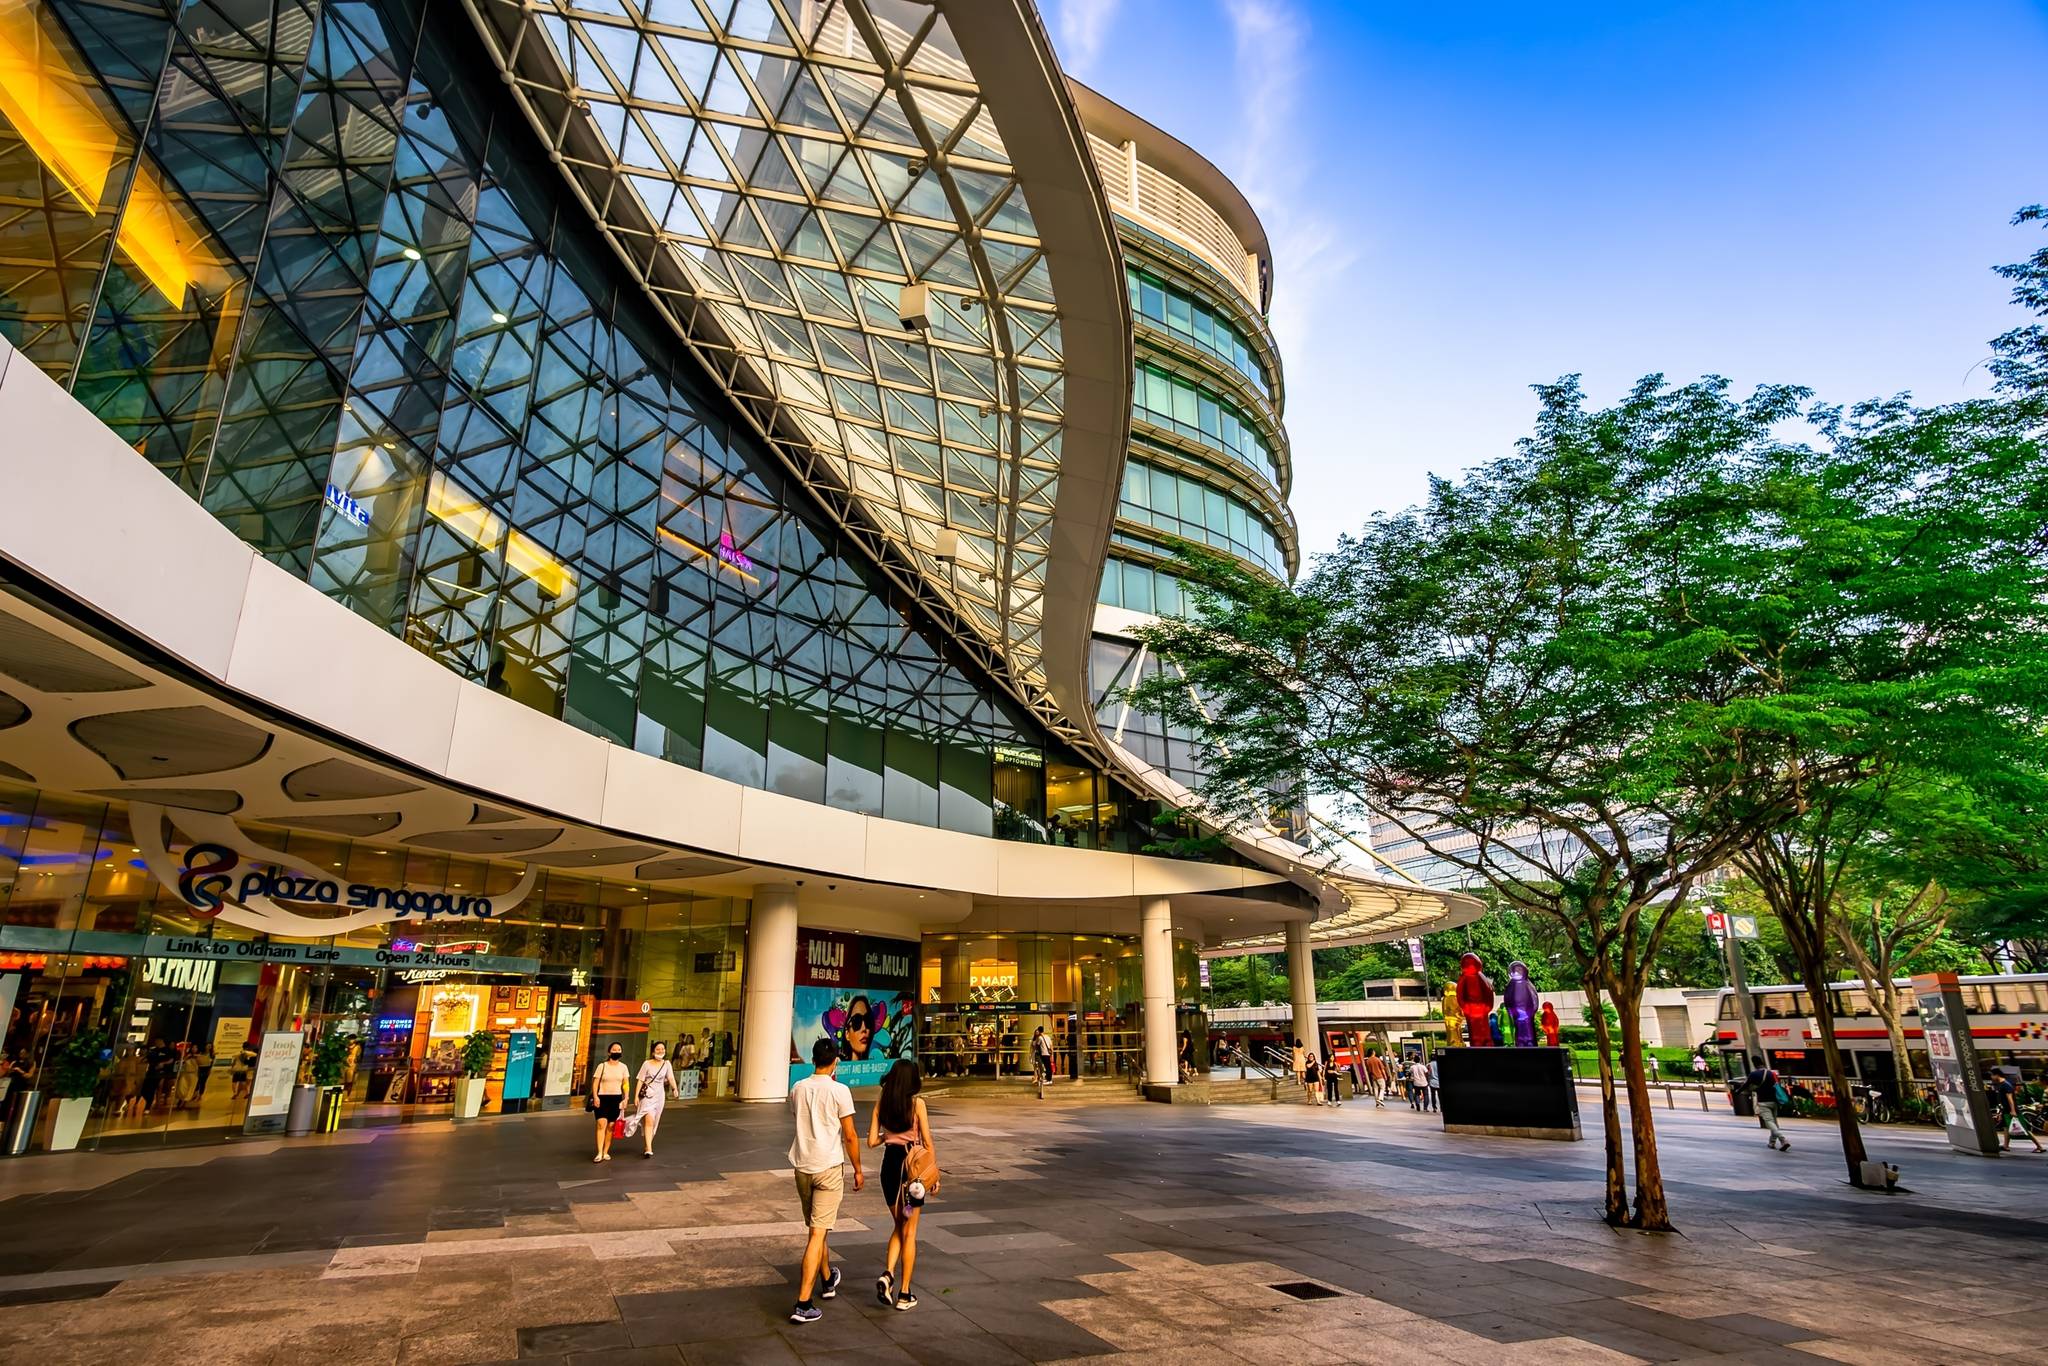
point(1454, 1034)
point(1550, 1024)
point(1522, 1005)
point(1475, 1001)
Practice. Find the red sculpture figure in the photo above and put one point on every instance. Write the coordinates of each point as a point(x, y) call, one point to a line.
point(1475, 1002)
point(1550, 1024)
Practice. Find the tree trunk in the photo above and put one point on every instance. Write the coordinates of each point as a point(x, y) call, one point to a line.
point(1651, 1213)
point(1845, 1103)
point(1616, 1212)
point(1894, 1018)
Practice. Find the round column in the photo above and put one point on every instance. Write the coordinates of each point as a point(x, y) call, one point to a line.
point(1301, 981)
point(1155, 942)
point(769, 995)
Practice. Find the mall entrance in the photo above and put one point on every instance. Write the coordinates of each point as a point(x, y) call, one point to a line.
point(983, 996)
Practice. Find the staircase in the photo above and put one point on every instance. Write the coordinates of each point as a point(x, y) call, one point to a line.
point(1255, 1091)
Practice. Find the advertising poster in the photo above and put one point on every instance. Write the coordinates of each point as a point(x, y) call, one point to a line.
point(277, 1070)
point(561, 1078)
point(521, 1046)
point(860, 992)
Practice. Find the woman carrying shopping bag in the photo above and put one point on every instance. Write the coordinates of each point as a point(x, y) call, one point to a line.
point(652, 1088)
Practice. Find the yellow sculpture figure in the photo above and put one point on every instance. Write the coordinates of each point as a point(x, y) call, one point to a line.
point(1454, 1034)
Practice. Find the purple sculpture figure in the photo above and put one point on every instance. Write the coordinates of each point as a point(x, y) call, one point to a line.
point(1522, 1005)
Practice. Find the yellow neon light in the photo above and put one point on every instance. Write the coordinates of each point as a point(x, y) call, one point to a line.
point(45, 99)
point(49, 103)
point(462, 514)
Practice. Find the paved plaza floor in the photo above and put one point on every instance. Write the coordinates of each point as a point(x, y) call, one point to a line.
point(1124, 1230)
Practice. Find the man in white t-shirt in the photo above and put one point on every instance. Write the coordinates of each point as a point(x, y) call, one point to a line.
point(823, 1110)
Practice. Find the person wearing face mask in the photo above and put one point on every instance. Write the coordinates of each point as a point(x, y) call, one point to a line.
point(651, 1088)
point(607, 1092)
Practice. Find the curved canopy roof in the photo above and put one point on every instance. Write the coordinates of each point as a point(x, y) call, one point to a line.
point(778, 176)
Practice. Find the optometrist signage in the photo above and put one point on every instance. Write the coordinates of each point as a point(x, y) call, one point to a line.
point(223, 874)
point(859, 991)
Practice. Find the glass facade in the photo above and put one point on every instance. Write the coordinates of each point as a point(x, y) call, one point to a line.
point(310, 263)
point(1143, 588)
point(93, 948)
point(1182, 406)
point(1197, 511)
point(1185, 314)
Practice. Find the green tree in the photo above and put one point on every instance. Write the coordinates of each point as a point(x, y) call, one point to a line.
point(1499, 673)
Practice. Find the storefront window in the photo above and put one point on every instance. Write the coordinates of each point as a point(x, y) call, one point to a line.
point(91, 947)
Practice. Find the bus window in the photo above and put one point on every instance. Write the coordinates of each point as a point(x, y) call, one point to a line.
point(1728, 1007)
point(1770, 1005)
point(1979, 999)
point(1802, 1003)
point(2022, 998)
point(1853, 1003)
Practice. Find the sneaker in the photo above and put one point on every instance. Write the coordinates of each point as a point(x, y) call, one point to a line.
point(885, 1289)
point(646, 1153)
point(905, 1302)
point(806, 1313)
point(831, 1288)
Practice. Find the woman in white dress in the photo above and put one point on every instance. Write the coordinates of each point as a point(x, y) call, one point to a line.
point(652, 1088)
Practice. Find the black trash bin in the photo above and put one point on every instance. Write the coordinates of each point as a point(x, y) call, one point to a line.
point(1742, 1098)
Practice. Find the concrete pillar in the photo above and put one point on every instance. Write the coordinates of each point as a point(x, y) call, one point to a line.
point(1301, 982)
point(770, 993)
point(1155, 942)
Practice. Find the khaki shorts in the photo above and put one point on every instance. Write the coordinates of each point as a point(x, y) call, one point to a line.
point(820, 1193)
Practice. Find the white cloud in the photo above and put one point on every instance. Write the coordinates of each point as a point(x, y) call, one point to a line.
point(1083, 27)
point(1269, 42)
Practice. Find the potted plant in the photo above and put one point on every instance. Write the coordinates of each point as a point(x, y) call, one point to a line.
point(74, 1074)
point(330, 1062)
point(478, 1051)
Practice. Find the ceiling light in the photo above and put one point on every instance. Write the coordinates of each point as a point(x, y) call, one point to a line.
point(499, 318)
point(412, 253)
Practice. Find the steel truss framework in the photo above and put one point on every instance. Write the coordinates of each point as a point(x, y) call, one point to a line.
point(775, 174)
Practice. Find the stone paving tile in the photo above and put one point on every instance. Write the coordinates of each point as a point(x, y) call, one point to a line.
point(1134, 1233)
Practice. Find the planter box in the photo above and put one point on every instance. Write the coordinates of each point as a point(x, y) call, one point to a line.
point(469, 1097)
point(68, 1123)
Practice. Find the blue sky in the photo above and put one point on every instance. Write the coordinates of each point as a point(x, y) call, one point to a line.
point(1468, 199)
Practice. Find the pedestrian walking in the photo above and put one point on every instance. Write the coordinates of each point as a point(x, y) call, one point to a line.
point(899, 1124)
point(651, 1089)
point(1312, 1079)
point(607, 1093)
point(1041, 1059)
point(822, 1109)
point(1418, 1083)
point(1436, 1086)
point(1376, 1079)
point(1770, 1094)
point(1331, 1091)
point(1297, 1055)
point(2005, 1105)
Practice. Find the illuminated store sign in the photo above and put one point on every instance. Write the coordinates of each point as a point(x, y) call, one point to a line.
point(216, 878)
point(730, 553)
point(347, 506)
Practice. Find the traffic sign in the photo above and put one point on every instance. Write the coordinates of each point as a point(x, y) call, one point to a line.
point(1742, 926)
point(1717, 923)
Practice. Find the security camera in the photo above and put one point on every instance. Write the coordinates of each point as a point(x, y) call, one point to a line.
point(946, 545)
point(914, 308)
point(831, 886)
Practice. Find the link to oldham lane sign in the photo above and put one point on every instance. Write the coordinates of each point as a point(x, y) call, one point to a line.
point(1952, 1055)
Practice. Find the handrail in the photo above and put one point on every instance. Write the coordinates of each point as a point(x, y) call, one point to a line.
point(1244, 1059)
